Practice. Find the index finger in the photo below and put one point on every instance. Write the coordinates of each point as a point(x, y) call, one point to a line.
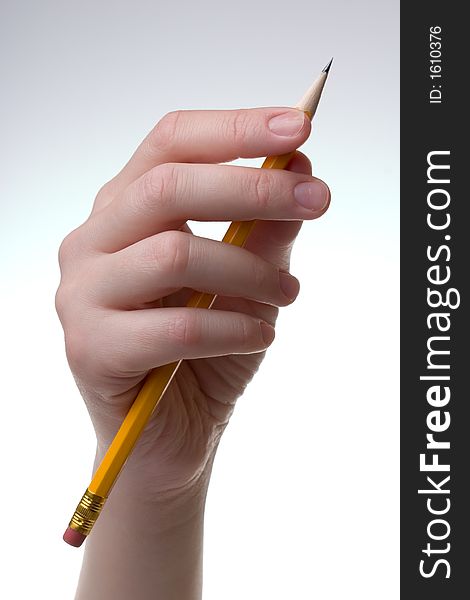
point(212, 136)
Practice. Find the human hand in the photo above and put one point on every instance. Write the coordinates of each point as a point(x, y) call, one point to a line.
point(129, 269)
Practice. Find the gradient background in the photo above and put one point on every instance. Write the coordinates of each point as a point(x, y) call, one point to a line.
point(304, 495)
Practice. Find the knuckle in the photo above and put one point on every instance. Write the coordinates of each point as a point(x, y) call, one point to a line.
point(261, 188)
point(164, 133)
point(151, 190)
point(262, 278)
point(241, 124)
point(248, 332)
point(59, 302)
point(66, 249)
point(245, 332)
point(172, 252)
point(156, 189)
point(70, 299)
point(169, 177)
point(185, 330)
point(105, 195)
point(77, 349)
point(88, 349)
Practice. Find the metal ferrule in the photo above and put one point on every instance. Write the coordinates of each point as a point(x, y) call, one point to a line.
point(87, 512)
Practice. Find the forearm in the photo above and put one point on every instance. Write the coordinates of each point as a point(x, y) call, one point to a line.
point(145, 548)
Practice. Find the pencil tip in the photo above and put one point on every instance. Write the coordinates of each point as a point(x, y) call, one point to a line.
point(327, 68)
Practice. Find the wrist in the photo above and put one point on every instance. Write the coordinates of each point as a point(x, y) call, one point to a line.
point(151, 505)
point(143, 544)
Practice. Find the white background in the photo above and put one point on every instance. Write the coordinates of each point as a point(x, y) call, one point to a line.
point(303, 501)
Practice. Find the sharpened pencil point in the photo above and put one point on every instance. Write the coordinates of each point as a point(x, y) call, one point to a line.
point(311, 98)
point(327, 68)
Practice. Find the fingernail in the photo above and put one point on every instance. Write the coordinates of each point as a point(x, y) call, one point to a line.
point(288, 124)
point(267, 332)
point(314, 195)
point(289, 285)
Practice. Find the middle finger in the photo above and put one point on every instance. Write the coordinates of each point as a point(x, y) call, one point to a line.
point(168, 195)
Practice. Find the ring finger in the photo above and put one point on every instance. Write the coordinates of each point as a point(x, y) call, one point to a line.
point(164, 263)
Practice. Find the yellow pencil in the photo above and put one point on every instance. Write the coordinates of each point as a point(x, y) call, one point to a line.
point(158, 380)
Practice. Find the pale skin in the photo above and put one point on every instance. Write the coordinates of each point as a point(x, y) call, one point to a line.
point(126, 275)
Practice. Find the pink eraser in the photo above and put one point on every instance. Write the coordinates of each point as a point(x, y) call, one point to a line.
point(74, 538)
